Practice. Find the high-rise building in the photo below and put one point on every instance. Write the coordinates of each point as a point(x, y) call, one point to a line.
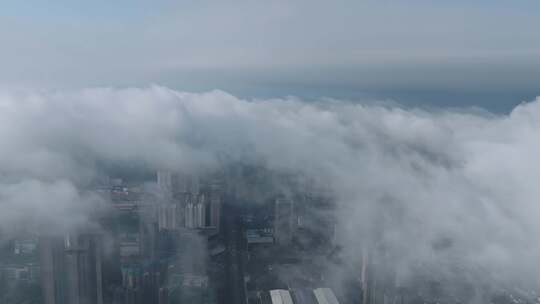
point(164, 180)
point(190, 204)
point(174, 183)
point(189, 220)
point(71, 269)
point(169, 216)
point(163, 297)
point(215, 211)
point(195, 212)
point(53, 279)
point(200, 211)
point(284, 220)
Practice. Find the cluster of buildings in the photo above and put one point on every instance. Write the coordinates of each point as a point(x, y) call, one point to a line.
point(284, 237)
point(188, 203)
point(150, 244)
point(163, 239)
point(242, 235)
point(71, 269)
point(19, 268)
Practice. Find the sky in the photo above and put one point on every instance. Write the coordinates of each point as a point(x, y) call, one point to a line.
point(419, 52)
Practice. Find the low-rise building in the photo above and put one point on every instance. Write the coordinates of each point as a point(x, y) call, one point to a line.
point(281, 296)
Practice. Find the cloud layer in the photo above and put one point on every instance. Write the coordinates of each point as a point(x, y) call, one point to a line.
point(441, 189)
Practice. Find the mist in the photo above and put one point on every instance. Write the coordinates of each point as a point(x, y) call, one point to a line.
point(451, 193)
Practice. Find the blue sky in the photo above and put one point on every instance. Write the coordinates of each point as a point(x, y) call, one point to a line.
point(385, 49)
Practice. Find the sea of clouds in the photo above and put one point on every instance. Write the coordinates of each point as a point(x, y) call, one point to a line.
point(447, 190)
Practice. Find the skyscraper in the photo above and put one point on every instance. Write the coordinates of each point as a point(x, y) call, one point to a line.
point(284, 220)
point(199, 212)
point(188, 213)
point(169, 216)
point(174, 183)
point(215, 211)
point(53, 279)
point(71, 269)
point(164, 180)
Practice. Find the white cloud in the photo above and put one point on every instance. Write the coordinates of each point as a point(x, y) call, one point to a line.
point(428, 176)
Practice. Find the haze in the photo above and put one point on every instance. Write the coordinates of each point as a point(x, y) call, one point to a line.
point(418, 52)
point(373, 152)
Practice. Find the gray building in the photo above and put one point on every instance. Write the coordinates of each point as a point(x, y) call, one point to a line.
point(325, 296)
point(285, 222)
point(281, 296)
point(71, 269)
point(173, 184)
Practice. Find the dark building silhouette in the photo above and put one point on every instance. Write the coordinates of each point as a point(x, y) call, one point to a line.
point(163, 296)
point(52, 262)
point(71, 269)
point(284, 221)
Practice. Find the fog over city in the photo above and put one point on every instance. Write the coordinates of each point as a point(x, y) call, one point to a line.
point(449, 193)
point(269, 152)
